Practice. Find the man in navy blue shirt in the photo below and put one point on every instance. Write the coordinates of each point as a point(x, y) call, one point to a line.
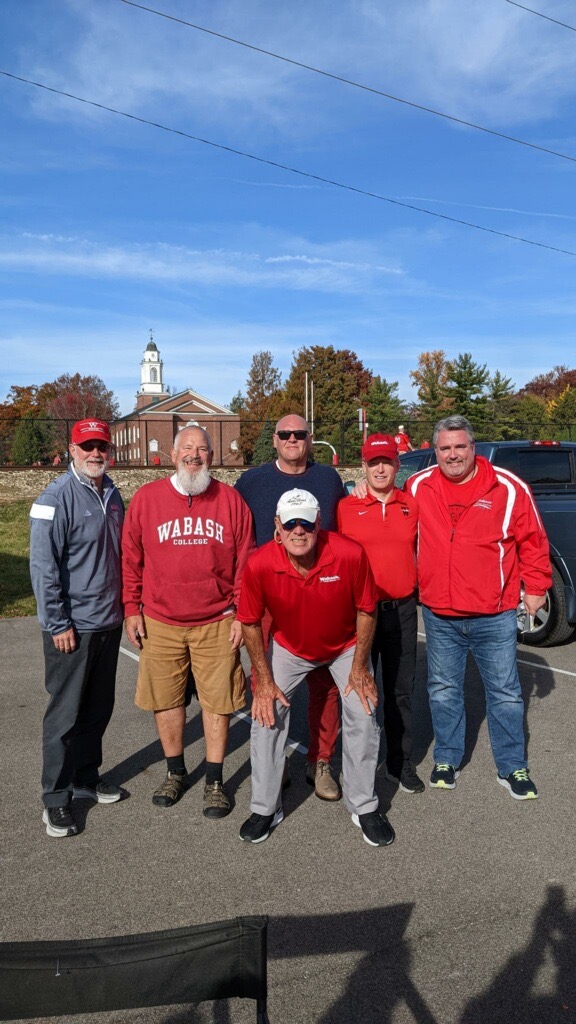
point(261, 489)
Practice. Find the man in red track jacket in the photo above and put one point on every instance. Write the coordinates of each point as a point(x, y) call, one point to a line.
point(481, 540)
point(185, 543)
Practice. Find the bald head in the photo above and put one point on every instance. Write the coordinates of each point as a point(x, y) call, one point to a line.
point(196, 434)
point(293, 452)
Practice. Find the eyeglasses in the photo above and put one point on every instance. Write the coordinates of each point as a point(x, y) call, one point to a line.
point(285, 435)
point(292, 523)
point(88, 446)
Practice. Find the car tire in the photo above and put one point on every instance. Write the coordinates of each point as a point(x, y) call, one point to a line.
point(550, 624)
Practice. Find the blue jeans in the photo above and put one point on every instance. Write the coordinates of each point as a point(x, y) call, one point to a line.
point(492, 641)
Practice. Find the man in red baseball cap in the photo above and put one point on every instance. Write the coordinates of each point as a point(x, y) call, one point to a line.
point(75, 530)
point(385, 523)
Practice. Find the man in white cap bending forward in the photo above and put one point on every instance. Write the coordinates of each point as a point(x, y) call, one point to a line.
point(320, 592)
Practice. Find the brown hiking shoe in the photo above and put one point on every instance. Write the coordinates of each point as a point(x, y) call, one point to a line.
point(170, 791)
point(320, 776)
point(216, 803)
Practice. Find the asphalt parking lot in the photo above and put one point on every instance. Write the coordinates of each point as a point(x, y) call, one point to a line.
point(470, 917)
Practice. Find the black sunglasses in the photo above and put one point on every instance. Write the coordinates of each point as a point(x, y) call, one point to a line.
point(309, 527)
point(285, 435)
point(88, 446)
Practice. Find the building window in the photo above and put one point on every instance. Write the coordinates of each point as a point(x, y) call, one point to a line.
point(153, 375)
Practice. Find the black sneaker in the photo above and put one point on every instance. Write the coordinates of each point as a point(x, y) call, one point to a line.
point(376, 828)
point(59, 822)
point(519, 784)
point(170, 791)
point(444, 776)
point(406, 778)
point(216, 803)
point(102, 793)
point(257, 827)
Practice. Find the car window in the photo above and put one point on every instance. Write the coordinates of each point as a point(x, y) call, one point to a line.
point(411, 462)
point(544, 465)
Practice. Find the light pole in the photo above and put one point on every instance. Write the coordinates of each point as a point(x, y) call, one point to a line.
point(309, 391)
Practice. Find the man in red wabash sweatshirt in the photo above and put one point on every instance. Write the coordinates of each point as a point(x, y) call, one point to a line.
point(185, 543)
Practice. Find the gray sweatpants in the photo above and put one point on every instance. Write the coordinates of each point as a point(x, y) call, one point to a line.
point(360, 736)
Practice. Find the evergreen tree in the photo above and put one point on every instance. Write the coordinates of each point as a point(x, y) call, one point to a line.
point(237, 403)
point(384, 410)
point(500, 408)
point(29, 444)
point(264, 450)
point(467, 384)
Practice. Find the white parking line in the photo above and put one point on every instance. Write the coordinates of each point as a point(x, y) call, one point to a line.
point(130, 654)
point(293, 744)
point(547, 668)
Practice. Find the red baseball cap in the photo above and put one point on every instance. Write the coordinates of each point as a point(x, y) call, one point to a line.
point(379, 446)
point(90, 430)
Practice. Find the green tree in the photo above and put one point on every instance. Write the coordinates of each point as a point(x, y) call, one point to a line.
point(562, 415)
point(237, 403)
point(384, 410)
point(339, 382)
point(466, 387)
point(531, 418)
point(29, 444)
point(500, 407)
point(264, 450)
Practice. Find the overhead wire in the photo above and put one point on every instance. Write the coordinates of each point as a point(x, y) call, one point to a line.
point(286, 167)
point(350, 82)
point(540, 15)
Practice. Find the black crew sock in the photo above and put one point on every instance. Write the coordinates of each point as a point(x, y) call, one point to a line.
point(213, 772)
point(176, 765)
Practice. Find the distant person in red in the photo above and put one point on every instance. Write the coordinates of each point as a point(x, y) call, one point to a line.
point(425, 444)
point(403, 442)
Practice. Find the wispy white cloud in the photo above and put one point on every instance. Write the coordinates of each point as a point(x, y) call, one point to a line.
point(493, 209)
point(489, 62)
point(216, 267)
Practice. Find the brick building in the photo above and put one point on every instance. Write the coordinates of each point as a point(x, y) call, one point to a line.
point(144, 437)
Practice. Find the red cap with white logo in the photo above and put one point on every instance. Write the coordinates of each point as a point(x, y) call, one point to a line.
point(90, 430)
point(379, 446)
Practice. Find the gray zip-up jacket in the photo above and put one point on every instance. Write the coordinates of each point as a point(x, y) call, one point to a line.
point(75, 555)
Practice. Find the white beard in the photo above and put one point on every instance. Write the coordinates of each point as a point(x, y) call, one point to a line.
point(193, 483)
point(90, 472)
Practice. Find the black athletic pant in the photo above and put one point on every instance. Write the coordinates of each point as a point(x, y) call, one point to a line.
point(81, 688)
point(395, 642)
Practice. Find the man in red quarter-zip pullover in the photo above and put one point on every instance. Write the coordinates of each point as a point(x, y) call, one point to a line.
point(185, 543)
point(481, 541)
point(385, 523)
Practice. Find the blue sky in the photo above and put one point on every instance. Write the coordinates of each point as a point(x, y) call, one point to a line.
point(110, 227)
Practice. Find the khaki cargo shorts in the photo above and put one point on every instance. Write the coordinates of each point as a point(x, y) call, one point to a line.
point(166, 656)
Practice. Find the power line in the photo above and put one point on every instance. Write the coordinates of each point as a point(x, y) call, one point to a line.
point(539, 15)
point(355, 85)
point(286, 167)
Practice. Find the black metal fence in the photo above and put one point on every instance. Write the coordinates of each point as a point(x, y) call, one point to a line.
point(29, 442)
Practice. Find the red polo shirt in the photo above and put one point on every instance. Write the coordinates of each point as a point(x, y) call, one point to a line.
point(387, 532)
point(313, 617)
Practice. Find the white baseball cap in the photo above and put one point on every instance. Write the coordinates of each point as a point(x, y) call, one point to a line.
point(297, 504)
